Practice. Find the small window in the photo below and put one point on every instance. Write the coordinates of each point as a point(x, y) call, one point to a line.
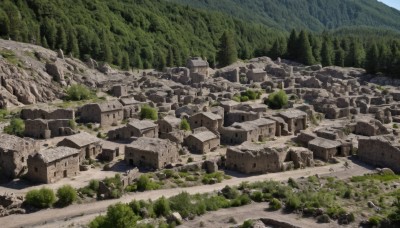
point(22, 159)
point(36, 169)
point(55, 174)
point(254, 165)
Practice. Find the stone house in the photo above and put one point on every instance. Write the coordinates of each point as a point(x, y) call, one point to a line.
point(135, 128)
point(206, 119)
point(251, 158)
point(250, 131)
point(238, 116)
point(202, 142)
point(119, 90)
point(325, 149)
point(53, 164)
point(106, 114)
point(45, 129)
point(380, 151)
point(151, 152)
point(88, 145)
point(167, 125)
point(109, 152)
point(14, 152)
point(197, 67)
point(229, 105)
point(295, 119)
point(131, 107)
point(370, 127)
point(256, 75)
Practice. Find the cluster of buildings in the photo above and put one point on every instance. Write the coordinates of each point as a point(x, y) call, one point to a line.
point(354, 116)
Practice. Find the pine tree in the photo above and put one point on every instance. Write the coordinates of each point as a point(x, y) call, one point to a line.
point(305, 52)
point(371, 61)
point(137, 62)
point(4, 24)
point(355, 55)
point(73, 47)
point(292, 48)
point(160, 61)
point(44, 42)
point(316, 46)
point(61, 38)
point(106, 52)
point(125, 61)
point(170, 57)
point(326, 53)
point(340, 56)
point(227, 53)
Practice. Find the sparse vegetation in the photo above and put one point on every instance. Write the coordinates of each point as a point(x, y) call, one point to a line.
point(148, 112)
point(277, 100)
point(184, 125)
point(66, 195)
point(16, 127)
point(40, 198)
point(79, 92)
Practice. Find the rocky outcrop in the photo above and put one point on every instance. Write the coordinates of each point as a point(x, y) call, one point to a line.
point(11, 204)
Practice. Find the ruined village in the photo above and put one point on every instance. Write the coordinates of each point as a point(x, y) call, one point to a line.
point(207, 121)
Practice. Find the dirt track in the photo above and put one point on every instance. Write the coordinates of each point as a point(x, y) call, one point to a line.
point(82, 214)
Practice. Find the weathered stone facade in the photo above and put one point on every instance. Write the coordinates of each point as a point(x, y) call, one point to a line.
point(206, 119)
point(14, 152)
point(135, 128)
point(106, 114)
point(45, 129)
point(56, 114)
point(380, 151)
point(324, 149)
point(151, 152)
point(295, 119)
point(202, 142)
point(53, 164)
point(88, 145)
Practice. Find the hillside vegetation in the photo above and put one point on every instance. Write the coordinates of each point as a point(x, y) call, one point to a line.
point(315, 15)
point(143, 33)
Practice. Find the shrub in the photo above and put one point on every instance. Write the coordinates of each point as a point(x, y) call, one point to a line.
point(293, 202)
point(257, 196)
point(241, 200)
point(210, 177)
point(42, 198)
point(247, 224)
point(292, 183)
point(145, 184)
point(78, 93)
point(184, 125)
point(275, 204)
point(374, 220)
point(148, 112)
point(236, 98)
point(323, 219)
point(16, 127)
point(277, 100)
point(66, 195)
point(229, 192)
point(161, 207)
point(395, 126)
point(244, 98)
point(190, 159)
point(72, 124)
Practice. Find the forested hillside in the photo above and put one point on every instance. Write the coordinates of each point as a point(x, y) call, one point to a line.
point(315, 15)
point(158, 33)
point(139, 33)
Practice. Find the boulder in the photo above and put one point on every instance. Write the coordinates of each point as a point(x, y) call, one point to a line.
point(55, 70)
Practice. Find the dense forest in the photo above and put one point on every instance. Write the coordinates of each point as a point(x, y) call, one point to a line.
point(139, 33)
point(314, 15)
point(158, 33)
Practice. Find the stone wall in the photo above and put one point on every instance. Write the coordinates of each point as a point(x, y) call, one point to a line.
point(200, 147)
point(32, 114)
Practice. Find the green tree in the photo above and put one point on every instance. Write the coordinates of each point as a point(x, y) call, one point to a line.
point(161, 207)
point(106, 53)
point(16, 127)
point(66, 195)
point(277, 100)
point(4, 24)
point(78, 92)
point(61, 42)
point(327, 53)
point(355, 55)
point(184, 125)
point(40, 198)
point(227, 53)
point(340, 56)
point(137, 61)
point(305, 51)
point(148, 112)
point(72, 46)
point(292, 47)
point(120, 216)
point(125, 61)
point(372, 61)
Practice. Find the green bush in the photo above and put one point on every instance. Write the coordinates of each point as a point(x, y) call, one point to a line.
point(244, 98)
point(324, 218)
point(161, 207)
point(229, 192)
point(292, 183)
point(236, 98)
point(148, 112)
point(16, 127)
point(78, 93)
point(257, 196)
point(375, 220)
point(145, 184)
point(293, 202)
point(190, 159)
point(275, 204)
point(247, 224)
point(184, 125)
point(277, 100)
point(251, 94)
point(118, 215)
point(66, 195)
point(208, 178)
point(241, 200)
point(42, 198)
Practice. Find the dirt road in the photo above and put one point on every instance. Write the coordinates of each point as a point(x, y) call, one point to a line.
point(81, 214)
